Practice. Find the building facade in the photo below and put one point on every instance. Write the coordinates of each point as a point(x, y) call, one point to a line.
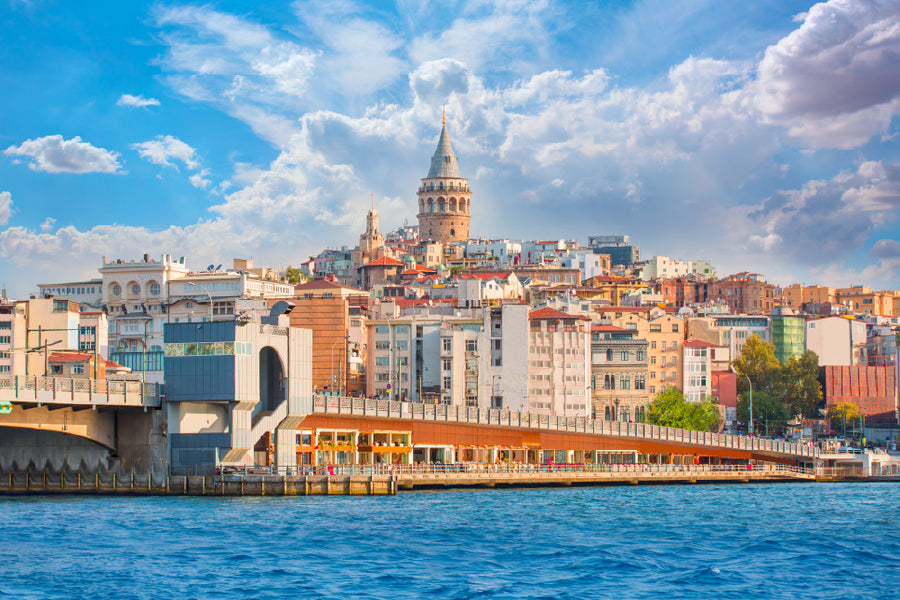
point(619, 374)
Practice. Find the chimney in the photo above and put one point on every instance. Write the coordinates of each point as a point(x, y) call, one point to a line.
point(146, 258)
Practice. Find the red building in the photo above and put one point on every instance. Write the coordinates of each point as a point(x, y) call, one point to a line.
point(872, 389)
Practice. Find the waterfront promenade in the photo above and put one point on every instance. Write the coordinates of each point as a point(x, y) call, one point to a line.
point(389, 479)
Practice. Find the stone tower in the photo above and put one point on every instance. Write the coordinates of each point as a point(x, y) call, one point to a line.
point(444, 197)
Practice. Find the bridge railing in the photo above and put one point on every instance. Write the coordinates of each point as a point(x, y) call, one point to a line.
point(70, 390)
point(490, 469)
point(469, 414)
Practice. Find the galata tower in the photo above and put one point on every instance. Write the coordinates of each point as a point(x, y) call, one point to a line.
point(444, 197)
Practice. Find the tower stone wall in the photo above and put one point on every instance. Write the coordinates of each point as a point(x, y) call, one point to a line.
point(444, 197)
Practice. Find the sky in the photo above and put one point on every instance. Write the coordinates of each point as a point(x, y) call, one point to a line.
point(761, 136)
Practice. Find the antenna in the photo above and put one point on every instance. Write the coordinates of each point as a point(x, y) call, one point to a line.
point(444, 114)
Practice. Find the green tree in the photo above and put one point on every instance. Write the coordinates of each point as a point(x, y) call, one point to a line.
point(670, 409)
point(293, 275)
point(800, 386)
point(769, 413)
point(842, 413)
point(758, 362)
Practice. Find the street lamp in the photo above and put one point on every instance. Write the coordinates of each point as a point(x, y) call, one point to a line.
point(206, 291)
point(336, 342)
point(750, 384)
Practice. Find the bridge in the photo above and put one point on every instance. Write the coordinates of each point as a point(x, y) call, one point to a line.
point(43, 419)
point(469, 427)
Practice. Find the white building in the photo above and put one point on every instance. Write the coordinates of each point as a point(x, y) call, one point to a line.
point(559, 356)
point(476, 357)
point(665, 267)
point(697, 369)
point(837, 341)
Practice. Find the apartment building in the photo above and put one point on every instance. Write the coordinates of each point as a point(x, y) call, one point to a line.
point(697, 370)
point(663, 331)
point(745, 293)
point(730, 331)
point(619, 374)
point(788, 334)
point(837, 341)
point(559, 351)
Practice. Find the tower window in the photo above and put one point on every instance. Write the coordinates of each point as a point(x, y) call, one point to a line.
point(452, 232)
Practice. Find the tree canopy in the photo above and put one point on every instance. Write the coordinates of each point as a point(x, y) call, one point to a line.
point(670, 409)
point(769, 413)
point(795, 383)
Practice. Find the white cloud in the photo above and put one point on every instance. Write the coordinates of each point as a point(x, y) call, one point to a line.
point(165, 147)
point(136, 101)
point(53, 154)
point(833, 81)
point(48, 223)
point(238, 66)
point(199, 180)
point(5, 207)
point(825, 221)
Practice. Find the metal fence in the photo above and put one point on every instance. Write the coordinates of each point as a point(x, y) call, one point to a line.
point(31, 387)
point(508, 418)
point(488, 469)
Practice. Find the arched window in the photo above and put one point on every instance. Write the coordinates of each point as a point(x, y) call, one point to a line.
point(441, 205)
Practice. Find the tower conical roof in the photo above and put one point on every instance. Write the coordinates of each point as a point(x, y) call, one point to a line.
point(444, 162)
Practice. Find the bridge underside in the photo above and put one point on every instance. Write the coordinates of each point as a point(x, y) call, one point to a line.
point(60, 437)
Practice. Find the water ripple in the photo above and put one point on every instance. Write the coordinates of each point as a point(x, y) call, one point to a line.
point(778, 541)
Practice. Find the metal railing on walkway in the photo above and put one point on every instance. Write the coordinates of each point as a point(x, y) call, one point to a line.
point(70, 390)
point(512, 469)
point(508, 418)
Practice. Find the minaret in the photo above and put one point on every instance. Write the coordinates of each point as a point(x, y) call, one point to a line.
point(444, 196)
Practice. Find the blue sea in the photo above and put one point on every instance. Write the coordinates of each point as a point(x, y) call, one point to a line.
point(711, 541)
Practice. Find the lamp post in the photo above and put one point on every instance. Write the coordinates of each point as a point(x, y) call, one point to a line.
point(336, 342)
point(206, 291)
point(750, 384)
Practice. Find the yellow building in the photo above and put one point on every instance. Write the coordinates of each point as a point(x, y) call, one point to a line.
point(862, 299)
point(664, 333)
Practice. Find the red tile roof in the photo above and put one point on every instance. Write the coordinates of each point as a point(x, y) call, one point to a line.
point(70, 356)
point(384, 261)
point(700, 344)
point(609, 329)
point(551, 313)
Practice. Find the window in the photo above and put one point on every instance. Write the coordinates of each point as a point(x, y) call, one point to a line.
point(639, 355)
point(662, 361)
point(382, 361)
point(5, 339)
point(446, 344)
point(60, 306)
point(652, 360)
point(674, 360)
point(640, 381)
point(381, 329)
point(56, 369)
point(382, 345)
point(471, 345)
point(674, 345)
point(653, 345)
point(447, 380)
point(674, 327)
point(154, 289)
point(624, 355)
point(117, 290)
point(402, 345)
point(631, 326)
point(135, 290)
point(663, 345)
point(656, 328)
point(446, 364)
point(609, 355)
point(78, 369)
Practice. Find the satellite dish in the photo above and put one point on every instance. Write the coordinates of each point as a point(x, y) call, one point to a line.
point(210, 267)
point(219, 268)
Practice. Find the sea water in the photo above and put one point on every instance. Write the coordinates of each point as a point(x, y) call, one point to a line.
point(703, 541)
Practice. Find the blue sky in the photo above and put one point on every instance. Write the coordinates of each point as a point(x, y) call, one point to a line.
point(758, 135)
